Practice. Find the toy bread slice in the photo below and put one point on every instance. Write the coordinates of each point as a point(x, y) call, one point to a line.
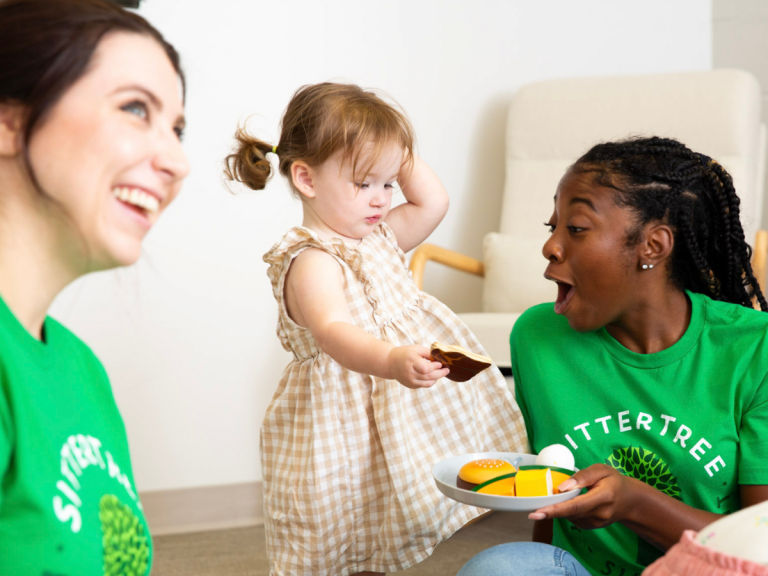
point(534, 482)
point(501, 486)
point(557, 479)
point(559, 475)
point(462, 363)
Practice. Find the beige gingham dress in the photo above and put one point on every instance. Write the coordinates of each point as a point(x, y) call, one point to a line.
point(347, 457)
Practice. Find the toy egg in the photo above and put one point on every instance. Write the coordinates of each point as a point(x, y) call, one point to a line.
point(556, 455)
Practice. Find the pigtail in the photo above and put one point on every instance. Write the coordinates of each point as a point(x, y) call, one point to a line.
point(248, 164)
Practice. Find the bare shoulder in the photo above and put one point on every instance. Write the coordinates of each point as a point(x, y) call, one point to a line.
point(314, 289)
point(312, 267)
point(315, 259)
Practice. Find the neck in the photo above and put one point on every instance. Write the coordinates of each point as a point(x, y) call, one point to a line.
point(655, 323)
point(35, 257)
point(313, 222)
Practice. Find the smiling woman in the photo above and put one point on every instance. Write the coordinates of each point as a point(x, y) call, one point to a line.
point(91, 116)
point(120, 124)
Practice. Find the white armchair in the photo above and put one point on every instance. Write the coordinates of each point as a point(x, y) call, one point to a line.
point(552, 123)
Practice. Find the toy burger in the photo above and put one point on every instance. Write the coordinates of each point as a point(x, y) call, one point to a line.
point(501, 478)
point(480, 472)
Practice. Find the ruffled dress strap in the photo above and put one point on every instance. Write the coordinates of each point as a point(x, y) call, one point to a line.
point(389, 237)
point(293, 243)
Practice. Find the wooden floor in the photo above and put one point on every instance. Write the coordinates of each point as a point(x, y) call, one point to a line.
point(242, 551)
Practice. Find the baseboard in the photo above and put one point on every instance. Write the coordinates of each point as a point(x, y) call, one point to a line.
point(204, 508)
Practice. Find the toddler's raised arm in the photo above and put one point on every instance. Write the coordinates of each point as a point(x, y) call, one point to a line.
point(426, 206)
point(314, 295)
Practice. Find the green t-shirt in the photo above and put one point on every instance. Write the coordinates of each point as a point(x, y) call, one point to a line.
point(691, 420)
point(68, 505)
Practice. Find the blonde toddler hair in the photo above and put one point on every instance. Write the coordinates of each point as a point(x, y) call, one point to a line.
point(320, 120)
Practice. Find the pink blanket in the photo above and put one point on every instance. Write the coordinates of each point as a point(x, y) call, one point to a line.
point(689, 558)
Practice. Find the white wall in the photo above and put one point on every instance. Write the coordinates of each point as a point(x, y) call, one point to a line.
point(740, 40)
point(188, 334)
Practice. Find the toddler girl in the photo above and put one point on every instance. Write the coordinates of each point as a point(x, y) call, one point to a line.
point(362, 413)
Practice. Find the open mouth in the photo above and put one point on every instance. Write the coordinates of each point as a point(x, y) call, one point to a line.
point(565, 293)
point(136, 199)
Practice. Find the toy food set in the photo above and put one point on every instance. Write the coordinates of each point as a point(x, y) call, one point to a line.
point(462, 363)
point(499, 477)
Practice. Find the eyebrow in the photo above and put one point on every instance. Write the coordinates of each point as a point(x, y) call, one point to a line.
point(377, 175)
point(586, 201)
point(579, 200)
point(181, 122)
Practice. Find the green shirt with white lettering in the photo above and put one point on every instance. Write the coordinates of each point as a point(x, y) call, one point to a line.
point(691, 420)
point(68, 505)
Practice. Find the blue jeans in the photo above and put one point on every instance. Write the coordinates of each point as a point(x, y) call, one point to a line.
point(523, 559)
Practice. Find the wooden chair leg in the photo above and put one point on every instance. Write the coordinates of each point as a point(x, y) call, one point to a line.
point(760, 260)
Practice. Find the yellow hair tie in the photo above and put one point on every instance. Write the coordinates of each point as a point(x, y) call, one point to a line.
point(274, 149)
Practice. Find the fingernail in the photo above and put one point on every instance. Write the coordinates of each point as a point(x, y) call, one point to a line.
point(536, 516)
point(567, 485)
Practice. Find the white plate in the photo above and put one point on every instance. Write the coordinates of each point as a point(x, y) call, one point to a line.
point(445, 474)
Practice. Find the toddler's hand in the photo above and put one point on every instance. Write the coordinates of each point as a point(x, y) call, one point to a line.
point(413, 367)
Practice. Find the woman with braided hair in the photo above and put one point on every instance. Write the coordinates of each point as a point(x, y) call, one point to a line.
point(651, 365)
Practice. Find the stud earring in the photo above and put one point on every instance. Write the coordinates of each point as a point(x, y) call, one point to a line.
point(647, 266)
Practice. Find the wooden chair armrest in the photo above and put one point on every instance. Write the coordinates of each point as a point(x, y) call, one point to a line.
point(450, 258)
point(760, 258)
point(465, 263)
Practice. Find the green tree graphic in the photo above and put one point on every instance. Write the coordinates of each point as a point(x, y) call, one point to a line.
point(637, 462)
point(126, 551)
point(644, 465)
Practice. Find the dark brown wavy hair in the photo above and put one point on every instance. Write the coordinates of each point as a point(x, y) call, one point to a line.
point(47, 45)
